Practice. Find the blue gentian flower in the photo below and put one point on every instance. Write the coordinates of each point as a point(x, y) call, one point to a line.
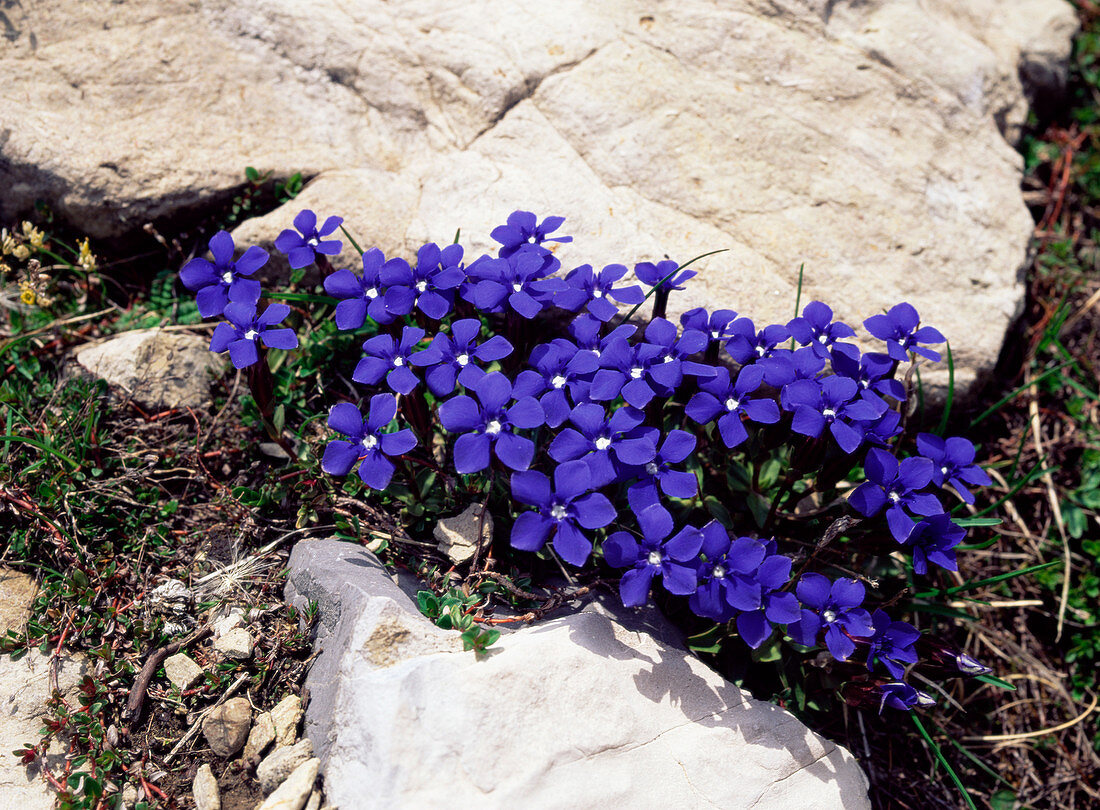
point(516, 281)
point(587, 288)
point(715, 325)
point(899, 329)
point(902, 696)
point(369, 445)
point(586, 328)
point(658, 472)
point(597, 439)
point(933, 540)
point(625, 370)
point(895, 486)
point(389, 358)
point(658, 554)
point(881, 432)
point(731, 402)
point(302, 246)
point(429, 286)
point(452, 357)
point(817, 329)
point(953, 463)
point(893, 644)
point(561, 511)
point(872, 371)
point(491, 425)
point(777, 606)
point(652, 275)
point(363, 295)
point(746, 345)
point(673, 361)
point(834, 606)
point(524, 229)
point(559, 367)
point(216, 284)
point(243, 329)
point(835, 402)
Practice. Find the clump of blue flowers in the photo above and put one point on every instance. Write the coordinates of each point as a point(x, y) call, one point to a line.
point(762, 479)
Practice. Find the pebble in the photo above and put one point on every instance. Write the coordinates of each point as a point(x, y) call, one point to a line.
point(205, 790)
point(261, 736)
point(236, 644)
point(314, 802)
point(226, 727)
point(181, 670)
point(296, 790)
point(457, 536)
point(286, 716)
point(281, 763)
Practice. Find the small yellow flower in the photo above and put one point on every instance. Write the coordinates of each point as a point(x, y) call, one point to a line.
point(33, 235)
point(4, 269)
point(7, 242)
point(27, 295)
point(21, 252)
point(87, 260)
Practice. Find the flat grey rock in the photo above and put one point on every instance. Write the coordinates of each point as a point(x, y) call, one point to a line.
point(598, 708)
point(865, 141)
point(226, 727)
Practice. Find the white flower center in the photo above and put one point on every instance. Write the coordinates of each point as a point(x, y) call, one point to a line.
point(370, 442)
point(559, 381)
point(372, 293)
point(655, 558)
point(732, 404)
point(517, 286)
point(651, 468)
point(313, 241)
point(493, 428)
point(251, 334)
point(399, 361)
point(462, 359)
point(558, 511)
point(636, 373)
point(714, 334)
point(944, 470)
point(829, 616)
point(829, 413)
point(597, 293)
point(893, 496)
point(596, 352)
point(421, 286)
point(603, 443)
point(760, 351)
point(227, 277)
point(668, 358)
point(718, 572)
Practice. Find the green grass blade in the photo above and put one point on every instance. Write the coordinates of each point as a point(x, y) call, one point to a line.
point(354, 244)
point(657, 286)
point(981, 583)
point(943, 761)
point(942, 427)
point(996, 406)
point(798, 295)
point(308, 298)
point(1023, 482)
point(41, 446)
point(996, 682)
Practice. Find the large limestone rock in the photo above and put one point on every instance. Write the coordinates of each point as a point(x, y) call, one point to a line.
point(587, 710)
point(863, 140)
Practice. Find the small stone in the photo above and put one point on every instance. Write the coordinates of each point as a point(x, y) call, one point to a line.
point(181, 671)
point(236, 644)
point(230, 621)
point(129, 796)
point(286, 716)
point(280, 764)
point(293, 793)
point(261, 736)
point(314, 802)
point(226, 727)
point(457, 535)
point(205, 790)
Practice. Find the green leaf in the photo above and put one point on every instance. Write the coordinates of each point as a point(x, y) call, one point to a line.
point(1003, 799)
point(252, 175)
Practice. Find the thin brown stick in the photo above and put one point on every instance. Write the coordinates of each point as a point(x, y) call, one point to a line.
point(136, 699)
